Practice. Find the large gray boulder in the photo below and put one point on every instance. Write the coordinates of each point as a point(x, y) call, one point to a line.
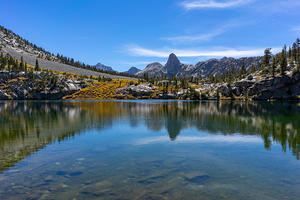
point(3, 95)
point(283, 87)
point(137, 91)
point(237, 91)
point(225, 90)
point(241, 87)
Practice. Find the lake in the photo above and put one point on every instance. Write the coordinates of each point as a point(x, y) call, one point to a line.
point(149, 150)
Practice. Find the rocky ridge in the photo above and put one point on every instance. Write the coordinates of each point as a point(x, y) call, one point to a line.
point(17, 47)
point(202, 69)
point(219, 66)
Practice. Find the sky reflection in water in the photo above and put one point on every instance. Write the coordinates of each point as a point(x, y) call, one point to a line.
point(149, 150)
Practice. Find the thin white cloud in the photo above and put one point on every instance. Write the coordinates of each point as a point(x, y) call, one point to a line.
point(297, 29)
point(136, 63)
point(270, 7)
point(197, 139)
point(202, 4)
point(201, 37)
point(140, 51)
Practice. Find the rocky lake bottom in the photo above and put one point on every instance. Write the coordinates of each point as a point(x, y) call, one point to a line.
point(149, 150)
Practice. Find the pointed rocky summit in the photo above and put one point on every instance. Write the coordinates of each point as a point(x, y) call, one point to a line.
point(173, 65)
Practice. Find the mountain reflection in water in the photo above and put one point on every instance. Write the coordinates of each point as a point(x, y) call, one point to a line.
point(27, 127)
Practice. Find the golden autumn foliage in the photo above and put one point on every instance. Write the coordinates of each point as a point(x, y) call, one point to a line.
point(103, 90)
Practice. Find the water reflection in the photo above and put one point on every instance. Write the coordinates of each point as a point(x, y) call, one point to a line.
point(27, 127)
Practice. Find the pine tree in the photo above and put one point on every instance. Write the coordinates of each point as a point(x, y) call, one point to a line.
point(253, 68)
point(243, 70)
point(274, 66)
point(294, 51)
point(146, 76)
point(283, 61)
point(267, 57)
point(25, 68)
point(20, 66)
point(290, 53)
point(15, 67)
point(37, 67)
point(1, 61)
point(298, 53)
point(298, 60)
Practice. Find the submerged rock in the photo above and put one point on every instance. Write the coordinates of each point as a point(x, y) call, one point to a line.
point(196, 177)
point(61, 173)
point(70, 174)
point(75, 173)
point(99, 189)
point(48, 178)
point(151, 179)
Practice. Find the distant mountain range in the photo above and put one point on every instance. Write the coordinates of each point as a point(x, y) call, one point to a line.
point(132, 71)
point(174, 67)
point(18, 47)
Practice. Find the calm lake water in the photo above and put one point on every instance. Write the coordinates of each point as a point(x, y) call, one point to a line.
point(149, 150)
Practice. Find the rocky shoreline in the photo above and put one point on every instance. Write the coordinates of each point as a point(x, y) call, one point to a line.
point(270, 88)
point(36, 86)
point(286, 87)
point(50, 86)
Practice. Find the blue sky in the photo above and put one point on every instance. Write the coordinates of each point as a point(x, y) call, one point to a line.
point(125, 33)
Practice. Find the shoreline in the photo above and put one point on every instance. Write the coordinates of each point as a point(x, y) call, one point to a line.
point(135, 100)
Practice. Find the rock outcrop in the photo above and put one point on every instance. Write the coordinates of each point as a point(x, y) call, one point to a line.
point(137, 91)
point(36, 86)
point(148, 91)
point(280, 88)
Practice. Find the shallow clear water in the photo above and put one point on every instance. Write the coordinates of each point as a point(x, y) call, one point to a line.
point(149, 150)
